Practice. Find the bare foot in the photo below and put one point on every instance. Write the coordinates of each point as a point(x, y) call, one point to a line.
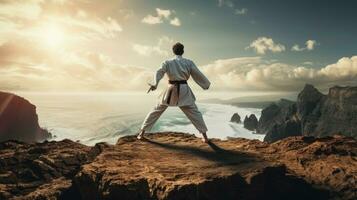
point(140, 135)
point(204, 138)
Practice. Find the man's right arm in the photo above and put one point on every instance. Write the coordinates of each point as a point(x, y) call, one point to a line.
point(199, 77)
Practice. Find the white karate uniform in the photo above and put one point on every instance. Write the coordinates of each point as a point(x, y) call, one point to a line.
point(178, 69)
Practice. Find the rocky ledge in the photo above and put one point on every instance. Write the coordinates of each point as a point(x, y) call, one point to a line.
point(180, 166)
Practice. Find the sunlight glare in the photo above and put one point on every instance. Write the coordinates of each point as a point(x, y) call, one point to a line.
point(54, 36)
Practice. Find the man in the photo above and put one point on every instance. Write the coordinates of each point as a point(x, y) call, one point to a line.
point(178, 93)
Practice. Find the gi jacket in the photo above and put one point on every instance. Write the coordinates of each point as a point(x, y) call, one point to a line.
point(180, 69)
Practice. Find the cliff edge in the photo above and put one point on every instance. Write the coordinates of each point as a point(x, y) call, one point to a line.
point(180, 166)
point(19, 120)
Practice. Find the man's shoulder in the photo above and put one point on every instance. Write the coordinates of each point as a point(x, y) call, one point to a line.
point(187, 60)
point(175, 59)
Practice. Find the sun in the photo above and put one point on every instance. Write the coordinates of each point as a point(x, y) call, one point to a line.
point(54, 35)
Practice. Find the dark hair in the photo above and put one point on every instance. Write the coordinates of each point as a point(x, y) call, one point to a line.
point(178, 49)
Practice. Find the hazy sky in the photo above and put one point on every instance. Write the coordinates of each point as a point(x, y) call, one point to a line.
point(246, 45)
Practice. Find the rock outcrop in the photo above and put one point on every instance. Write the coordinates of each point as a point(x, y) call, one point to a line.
point(313, 114)
point(18, 120)
point(180, 166)
point(236, 118)
point(251, 122)
point(41, 170)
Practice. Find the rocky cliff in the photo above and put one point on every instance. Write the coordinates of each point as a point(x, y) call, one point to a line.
point(180, 166)
point(18, 120)
point(313, 114)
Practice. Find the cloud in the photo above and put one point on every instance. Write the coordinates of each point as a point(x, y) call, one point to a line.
point(161, 16)
point(126, 13)
point(27, 66)
point(163, 13)
point(227, 3)
point(230, 5)
point(242, 11)
point(28, 62)
point(29, 19)
point(264, 44)
point(146, 50)
point(175, 22)
point(257, 74)
point(308, 63)
point(310, 45)
point(297, 48)
point(161, 48)
point(344, 69)
point(26, 9)
point(149, 19)
point(42, 70)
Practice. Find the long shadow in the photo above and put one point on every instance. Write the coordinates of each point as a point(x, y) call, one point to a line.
point(216, 153)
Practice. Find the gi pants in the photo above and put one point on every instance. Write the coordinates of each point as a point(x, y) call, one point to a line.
point(191, 111)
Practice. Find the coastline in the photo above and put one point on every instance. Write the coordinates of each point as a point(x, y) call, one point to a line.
point(93, 118)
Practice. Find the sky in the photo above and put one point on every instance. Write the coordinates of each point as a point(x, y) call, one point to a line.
point(241, 45)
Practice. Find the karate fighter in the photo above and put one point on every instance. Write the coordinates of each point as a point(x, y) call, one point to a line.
point(178, 93)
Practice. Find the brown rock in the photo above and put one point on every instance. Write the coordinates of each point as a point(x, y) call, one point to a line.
point(180, 166)
point(18, 120)
point(41, 170)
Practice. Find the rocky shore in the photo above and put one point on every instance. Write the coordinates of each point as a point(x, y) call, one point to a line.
point(180, 166)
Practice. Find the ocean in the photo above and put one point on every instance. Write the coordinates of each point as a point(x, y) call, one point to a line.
point(104, 117)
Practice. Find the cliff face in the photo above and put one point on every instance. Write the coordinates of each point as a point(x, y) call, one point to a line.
point(18, 120)
point(338, 113)
point(313, 114)
point(180, 166)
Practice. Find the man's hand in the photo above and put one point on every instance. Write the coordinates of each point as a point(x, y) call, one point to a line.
point(152, 88)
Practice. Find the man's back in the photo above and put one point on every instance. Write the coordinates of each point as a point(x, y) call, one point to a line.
point(179, 68)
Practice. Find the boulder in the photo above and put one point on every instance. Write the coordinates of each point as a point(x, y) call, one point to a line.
point(18, 120)
point(251, 122)
point(235, 118)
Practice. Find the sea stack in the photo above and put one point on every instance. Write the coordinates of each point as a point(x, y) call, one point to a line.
point(236, 118)
point(251, 122)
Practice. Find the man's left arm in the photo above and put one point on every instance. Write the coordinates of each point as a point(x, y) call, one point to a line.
point(159, 75)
